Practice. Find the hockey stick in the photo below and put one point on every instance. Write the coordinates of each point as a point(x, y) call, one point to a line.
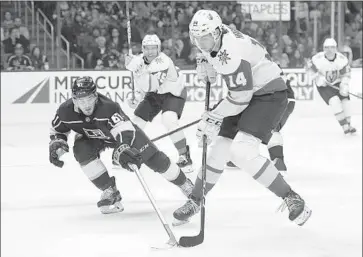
point(190, 241)
point(172, 240)
point(129, 43)
point(174, 131)
point(337, 88)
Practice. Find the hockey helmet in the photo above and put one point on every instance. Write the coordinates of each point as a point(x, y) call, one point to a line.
point(330, 47)
point(151, 45)
point(205, 29)
point(84, 94)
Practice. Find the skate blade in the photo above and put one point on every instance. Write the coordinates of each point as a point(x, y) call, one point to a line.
point(177, 222)
point(303, 217)
point(115, 208)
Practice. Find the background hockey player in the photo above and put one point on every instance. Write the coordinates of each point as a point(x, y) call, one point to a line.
point(158, 81)
point(332, 76)
point(99, 123)
point(253, 107)
point(275, 144)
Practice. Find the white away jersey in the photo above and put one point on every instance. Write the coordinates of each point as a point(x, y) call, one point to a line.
point(334, 71)
point(246, 68)
point(160, 76)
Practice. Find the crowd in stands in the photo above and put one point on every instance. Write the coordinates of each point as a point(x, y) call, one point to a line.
point(17, 52)
point(97, 30)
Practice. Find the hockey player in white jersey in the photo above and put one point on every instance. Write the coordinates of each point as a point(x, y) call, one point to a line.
point(331, 73)
point(253, 107)
point(160, 88)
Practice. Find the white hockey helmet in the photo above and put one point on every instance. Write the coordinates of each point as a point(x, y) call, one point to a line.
point(330, 48)
point(330, 42)
point(205, 22)
point(151, 40)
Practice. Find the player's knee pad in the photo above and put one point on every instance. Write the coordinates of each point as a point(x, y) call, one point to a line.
point(336, 104)
point(276, 139)
point(139, 122)
point(218, 155)
point(85, 151)
point(244, 148)
point(170, 120)
point(159, 162)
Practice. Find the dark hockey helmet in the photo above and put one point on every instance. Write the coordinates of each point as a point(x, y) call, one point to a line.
point(84, 94)
point(83, 86)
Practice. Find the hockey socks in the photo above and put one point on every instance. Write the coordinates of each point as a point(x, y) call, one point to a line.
point(97, 173)
point(179, 142)
point(212, 176)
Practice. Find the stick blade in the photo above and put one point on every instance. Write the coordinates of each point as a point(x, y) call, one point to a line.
point(191, 241)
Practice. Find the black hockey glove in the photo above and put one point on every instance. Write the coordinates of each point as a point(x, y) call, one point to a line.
point(123, 155)
point(57, 147)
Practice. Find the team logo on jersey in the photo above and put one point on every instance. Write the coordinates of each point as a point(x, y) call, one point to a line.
point(331, 76)
point(159, 60)
point(224, 57)
point(95, 133)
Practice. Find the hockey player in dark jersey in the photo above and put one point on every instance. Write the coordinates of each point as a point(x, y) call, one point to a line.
point(100, 123)
point(275, 144)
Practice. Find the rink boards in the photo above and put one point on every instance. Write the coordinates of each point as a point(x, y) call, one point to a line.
point(32, 97)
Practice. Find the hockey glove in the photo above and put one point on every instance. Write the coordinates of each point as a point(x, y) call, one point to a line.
point(344, 89)
point(123, 155)
point(57, 148)
point(209, 126)
point(205, 70)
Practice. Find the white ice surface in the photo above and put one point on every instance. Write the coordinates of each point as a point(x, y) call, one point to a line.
point(51, 212)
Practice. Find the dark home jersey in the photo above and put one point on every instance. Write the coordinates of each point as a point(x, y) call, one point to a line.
point(108, 122)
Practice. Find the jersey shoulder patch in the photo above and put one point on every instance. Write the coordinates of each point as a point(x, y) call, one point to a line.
point(160, 63)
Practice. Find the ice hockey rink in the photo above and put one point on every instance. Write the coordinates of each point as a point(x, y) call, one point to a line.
point(51, 212)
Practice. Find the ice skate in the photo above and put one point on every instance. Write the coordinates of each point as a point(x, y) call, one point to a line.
point(298, 211)
point(183, 214)
point(352, 130)
point(187, 188)
point(110, 200)
point(185, 163)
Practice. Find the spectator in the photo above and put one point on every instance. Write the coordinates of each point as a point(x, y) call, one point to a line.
point(115, 41)
point(247, 28)
point(79, 25)
point(272, 43)
point(86, 43)
point(22, 29)
point(297, 60)
point(135, 34)
point(107, 62)
point(19, 61)
point(98, 53)
point(8, 22)
point(15, 38)
point(39, 60)
point(68, 31)
point(346, 50)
